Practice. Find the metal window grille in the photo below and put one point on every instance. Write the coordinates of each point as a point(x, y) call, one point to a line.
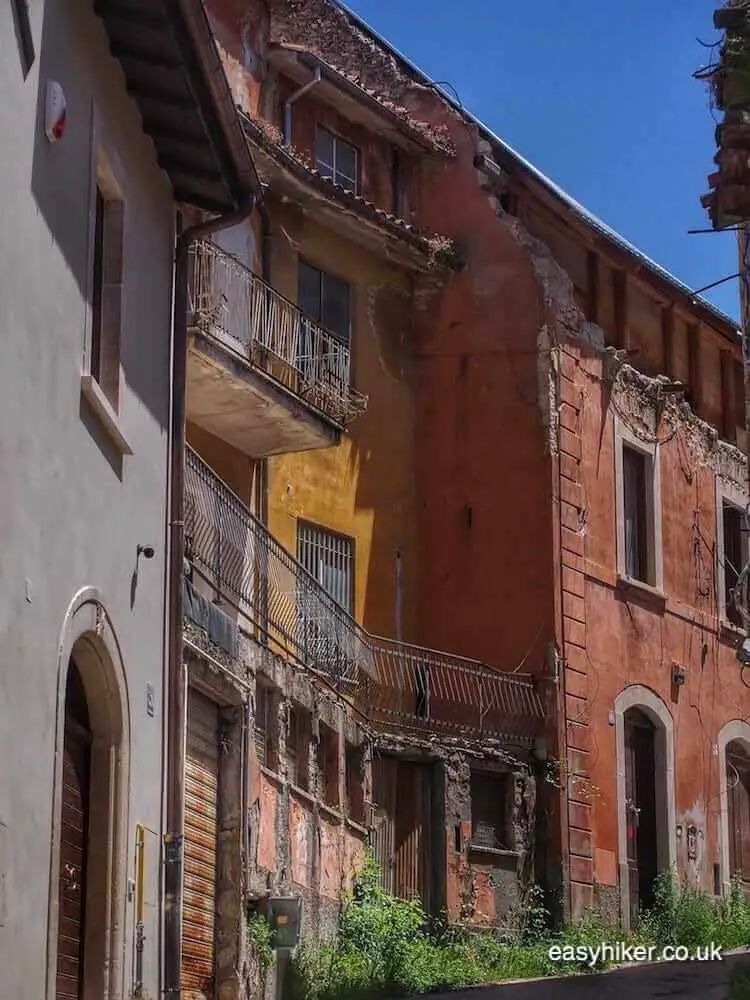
point(330, 559)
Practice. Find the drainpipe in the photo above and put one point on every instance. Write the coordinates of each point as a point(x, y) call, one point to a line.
point(176, 683)
point(295, 97)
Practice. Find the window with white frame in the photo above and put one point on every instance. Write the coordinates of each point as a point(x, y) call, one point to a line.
point(329, 557)
point(733, 547)
point(639, 556)
point(337, 159)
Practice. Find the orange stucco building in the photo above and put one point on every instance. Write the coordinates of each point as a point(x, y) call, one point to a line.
point(545, 479)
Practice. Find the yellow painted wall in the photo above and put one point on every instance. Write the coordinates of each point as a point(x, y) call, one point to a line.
point(363, 487)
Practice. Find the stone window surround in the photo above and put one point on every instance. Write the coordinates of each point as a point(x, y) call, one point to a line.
point(735, 731)
point(624, 436)
point(726, 491)
point(643, 698)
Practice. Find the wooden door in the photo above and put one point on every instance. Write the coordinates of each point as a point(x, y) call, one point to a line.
point(403, 831)
point(199, 878)
point(640, 809)
point(73, 856)
point(738, 810)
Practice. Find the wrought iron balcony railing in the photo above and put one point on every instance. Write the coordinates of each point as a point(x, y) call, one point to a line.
point(231, 303)
point(397, 685)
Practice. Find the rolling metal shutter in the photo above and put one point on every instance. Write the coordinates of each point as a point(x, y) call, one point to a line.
point(199, 889)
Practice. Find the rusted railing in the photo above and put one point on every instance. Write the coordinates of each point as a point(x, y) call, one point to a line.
point(397, 685)
point(231, 303)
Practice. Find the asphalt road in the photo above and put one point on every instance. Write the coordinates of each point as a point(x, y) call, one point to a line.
point(658, 981)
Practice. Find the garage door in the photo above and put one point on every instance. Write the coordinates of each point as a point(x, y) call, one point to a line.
point(199, 891)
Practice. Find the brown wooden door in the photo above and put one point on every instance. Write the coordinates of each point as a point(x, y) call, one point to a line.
point(73, 857)
point(738, 810)
point(199, 892)
point(640, 809)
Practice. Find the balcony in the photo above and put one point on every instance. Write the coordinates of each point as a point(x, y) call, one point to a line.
point(396, 685)
point(261, 375)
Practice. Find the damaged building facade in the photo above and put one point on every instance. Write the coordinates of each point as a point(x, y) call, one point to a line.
point(540, 472)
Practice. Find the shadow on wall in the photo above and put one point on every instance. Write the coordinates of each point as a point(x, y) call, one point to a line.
point(75, 53)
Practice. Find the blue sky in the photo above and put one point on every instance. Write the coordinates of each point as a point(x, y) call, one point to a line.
point(599, 96)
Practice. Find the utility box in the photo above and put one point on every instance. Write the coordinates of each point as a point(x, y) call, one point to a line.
point(284, 917)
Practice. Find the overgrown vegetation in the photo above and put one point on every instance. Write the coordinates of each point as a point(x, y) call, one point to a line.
point(260, 942)
point(386, 947)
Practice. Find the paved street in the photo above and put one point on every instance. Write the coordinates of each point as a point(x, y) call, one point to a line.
point(707, 981)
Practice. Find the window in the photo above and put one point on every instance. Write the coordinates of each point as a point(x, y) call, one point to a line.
point(298, 747)
point(106, 285)
point(639, 556)
point(733, 554)
point(328, 766)
point(325, 300)
point(337, 159)
point(330, 559)
point(266, 727)
point(635, 503)
point(489, 811)
point(355, 777)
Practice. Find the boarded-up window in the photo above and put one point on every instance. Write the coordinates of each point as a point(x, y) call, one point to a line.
point(298, 747)
point(328, 766)
point(489, 811)
point(355, 789)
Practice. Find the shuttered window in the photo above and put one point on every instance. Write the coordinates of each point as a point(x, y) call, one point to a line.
point(266, 727)
point(489, 811)
point(330, 559)
point(298, 747)
point(734, 558)
point(328, 766)
point(355, 791)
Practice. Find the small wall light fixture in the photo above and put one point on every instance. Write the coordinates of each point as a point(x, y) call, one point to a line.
point(147, 551)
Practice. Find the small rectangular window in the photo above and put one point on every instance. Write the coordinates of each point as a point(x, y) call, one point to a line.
point(734, 556)
point(490, 826)
point(337, 159)
point(330, 559)
point(328, 766)
point(635, 510)
point(326, 300)
point(106, 287)
point(355, 790)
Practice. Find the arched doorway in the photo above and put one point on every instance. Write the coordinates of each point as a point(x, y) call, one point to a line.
point(645, 796)
point(640, 808)
point(88, 860)
point(737, 763)
point(74, 836)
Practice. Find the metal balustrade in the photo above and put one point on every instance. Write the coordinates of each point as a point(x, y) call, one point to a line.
point(230, 303)
point(396, 684)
